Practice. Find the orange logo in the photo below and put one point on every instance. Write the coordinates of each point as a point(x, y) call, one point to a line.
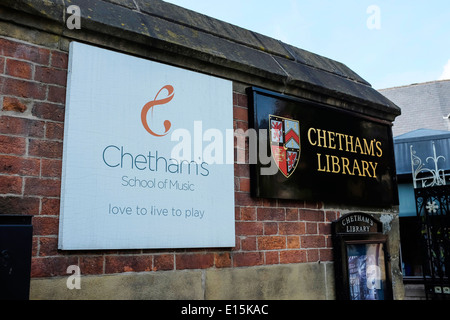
point(149, 105)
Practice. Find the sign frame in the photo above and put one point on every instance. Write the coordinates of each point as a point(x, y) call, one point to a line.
point(362, 259)
point(136, 173)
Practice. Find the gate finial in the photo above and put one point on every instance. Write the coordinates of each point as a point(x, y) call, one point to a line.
point(436, 176)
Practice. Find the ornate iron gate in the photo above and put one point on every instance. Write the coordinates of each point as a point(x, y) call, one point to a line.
point(433, 212)
point(432, 196)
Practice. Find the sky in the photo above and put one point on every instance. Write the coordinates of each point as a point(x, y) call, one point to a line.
point(388, 43)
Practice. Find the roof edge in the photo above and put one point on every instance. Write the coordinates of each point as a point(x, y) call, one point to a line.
point(165, 26)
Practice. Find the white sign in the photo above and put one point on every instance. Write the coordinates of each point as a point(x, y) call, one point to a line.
point(148, 155)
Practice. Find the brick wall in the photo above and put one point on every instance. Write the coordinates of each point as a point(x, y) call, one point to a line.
point(32, 96)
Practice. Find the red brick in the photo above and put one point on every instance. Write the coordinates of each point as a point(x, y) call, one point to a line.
point(249, 228)
point(311, 227)
point(237, 213)
point(51, 266)
point(293, 256)
point(313, 255)
point(272, 257)
point(270, 228)
point(237, 244)
point(242, 170)
point(291, 228)
point(56, 94)
point(45, 148)
point(244, 184)
point(248, 244)
point(222, 260)
point(50, 206)
point(24, 51)
point(34, 246)
point(269, 203)
point(291, 214)
point(19, 69)
point(19, 205)
point(48, 246)
point(12, 145)
point(311, 215)
point(13, 104)
point(48, 111)
point(51, 168)
point(22, 88)
point(45, 226)
point(59, 59)
point(293, 242)
point(240, 125)
point(42, 187)
point(19, 165)
point(2, 65)
point(312, 241)
point(271, 242)
point(50, 75)
point(247, 259)
point(22, 126)
point(325, 228)
point(331, 216)
point(272, 214)
point(54, 130)
point(240, 99)
point(326, 254)
point(91, 265)
point(10, 185)
point(194, 261)
point(248, 213)
point(244, 199)
point(128, 263)
point(163, 262)
point(329, 241)
point(240, 114)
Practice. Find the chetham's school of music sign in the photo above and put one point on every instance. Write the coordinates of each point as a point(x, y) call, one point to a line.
point(140, 169)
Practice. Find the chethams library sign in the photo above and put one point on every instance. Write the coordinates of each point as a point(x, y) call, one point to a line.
point(350, 144)
point(322, 153)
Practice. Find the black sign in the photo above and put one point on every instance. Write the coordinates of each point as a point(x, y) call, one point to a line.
point(358, 222)
point(320, 153)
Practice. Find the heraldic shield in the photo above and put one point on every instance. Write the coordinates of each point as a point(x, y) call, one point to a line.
point(285, 143)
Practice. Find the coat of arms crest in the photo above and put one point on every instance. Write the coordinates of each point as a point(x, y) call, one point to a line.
point(285, 143)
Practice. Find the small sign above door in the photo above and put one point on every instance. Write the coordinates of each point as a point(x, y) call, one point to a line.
point(357, 222)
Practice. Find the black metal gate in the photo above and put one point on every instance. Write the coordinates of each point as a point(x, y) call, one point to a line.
point(433, 212)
